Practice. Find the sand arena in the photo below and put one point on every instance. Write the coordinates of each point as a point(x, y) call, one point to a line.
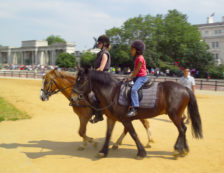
point(48, 141)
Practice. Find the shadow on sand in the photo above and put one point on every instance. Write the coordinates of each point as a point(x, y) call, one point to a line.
point(69, 149)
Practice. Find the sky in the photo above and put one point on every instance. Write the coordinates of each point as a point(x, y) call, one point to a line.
point(78, 21)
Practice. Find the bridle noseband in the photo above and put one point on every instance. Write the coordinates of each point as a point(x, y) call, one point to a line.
point(49, 91)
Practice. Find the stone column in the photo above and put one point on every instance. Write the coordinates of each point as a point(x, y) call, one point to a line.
point(9, 56)
point(36, 57)
point(1, 59)
point(53, 59)
point(23, 56)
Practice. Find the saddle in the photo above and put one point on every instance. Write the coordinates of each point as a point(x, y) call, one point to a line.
point(125, 92)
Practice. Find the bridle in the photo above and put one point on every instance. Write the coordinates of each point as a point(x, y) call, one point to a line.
point(49, 91)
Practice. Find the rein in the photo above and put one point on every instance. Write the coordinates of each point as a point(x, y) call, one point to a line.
point(87, 100)
point(49, 90)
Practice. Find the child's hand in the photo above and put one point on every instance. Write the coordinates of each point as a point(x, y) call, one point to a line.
point(128, 79)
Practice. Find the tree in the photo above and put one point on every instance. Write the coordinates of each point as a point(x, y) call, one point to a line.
point(182, 43)
point(168, 38)
point(66, 60)
point(54, 39)
point(87, 59)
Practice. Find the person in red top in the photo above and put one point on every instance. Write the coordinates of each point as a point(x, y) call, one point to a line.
point(139, 75)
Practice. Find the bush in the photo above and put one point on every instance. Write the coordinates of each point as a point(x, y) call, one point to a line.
point(88, 59)
point(216, 72)
point(66, 60)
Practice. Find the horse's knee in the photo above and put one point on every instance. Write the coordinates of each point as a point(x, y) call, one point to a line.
point(81, 133)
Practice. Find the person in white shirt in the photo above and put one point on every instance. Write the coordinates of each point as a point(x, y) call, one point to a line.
point(188, 81)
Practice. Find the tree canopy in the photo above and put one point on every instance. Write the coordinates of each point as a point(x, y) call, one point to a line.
point(54, 39)
point(66, 60)
point(87, 59)
point(168, 38)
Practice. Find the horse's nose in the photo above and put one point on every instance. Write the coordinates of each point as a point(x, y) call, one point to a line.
point(71, 99)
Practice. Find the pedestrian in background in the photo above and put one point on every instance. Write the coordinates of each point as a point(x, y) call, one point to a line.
point(188, 81)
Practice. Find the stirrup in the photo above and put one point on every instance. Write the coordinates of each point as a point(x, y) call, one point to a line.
point(95, 119)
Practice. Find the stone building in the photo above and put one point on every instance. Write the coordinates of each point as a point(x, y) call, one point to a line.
point(34, 52)
point(213, 34)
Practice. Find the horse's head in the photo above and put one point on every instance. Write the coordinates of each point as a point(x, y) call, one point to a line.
point(82, 85)
point(48, 85)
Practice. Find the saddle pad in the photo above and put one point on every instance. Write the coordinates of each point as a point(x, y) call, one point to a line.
point(148, 100)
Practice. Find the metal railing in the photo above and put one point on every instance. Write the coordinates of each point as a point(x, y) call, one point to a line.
point(202, 84)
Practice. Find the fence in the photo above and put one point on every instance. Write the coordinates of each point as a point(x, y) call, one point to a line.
point(202, 84)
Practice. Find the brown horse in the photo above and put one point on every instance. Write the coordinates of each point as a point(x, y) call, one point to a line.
point(56, 81)
point(172, 100)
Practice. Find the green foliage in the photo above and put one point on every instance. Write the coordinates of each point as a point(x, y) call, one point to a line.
point(216, 72)
point(66, 60)
point(120, 56)
point(9, 112)
point(54, 39)
point(88, 59)
point(168, 38)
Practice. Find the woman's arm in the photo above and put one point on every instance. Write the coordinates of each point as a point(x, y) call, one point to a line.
point(103, 62)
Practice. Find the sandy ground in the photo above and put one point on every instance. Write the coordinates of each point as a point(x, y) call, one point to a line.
point(48, 142)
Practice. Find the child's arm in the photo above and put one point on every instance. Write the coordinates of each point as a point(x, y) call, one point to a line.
point(135, 72)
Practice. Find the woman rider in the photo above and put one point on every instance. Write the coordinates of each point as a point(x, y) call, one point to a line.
point(102, 63)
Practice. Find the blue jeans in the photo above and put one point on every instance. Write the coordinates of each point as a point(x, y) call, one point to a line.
point(139, 81)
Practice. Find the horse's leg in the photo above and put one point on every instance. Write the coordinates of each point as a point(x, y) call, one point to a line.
point(141, 151)
point(82, 131)
point(149, 135)
point(185, 140)
point(181, 143)
point(110, 126)
point(119, 141)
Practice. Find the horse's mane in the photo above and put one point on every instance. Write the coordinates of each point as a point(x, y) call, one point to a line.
point(63, 75)
point(104, 78)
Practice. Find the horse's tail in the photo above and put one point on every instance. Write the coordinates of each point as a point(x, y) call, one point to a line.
point(194, 116)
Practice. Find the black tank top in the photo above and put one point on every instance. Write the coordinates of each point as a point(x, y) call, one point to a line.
point(99, 59)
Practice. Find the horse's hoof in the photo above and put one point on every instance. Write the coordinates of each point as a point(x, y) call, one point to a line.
point(152, 141)
point(120, 143)
point(115, 147)
point(100, 155)
point(90, 140)
point(176, 153)
point(139, 158)
point(81, 148)
point(95, 144)
point(148, 146)
point(184, 153)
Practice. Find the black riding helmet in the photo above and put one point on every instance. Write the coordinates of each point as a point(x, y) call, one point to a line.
point(139, 46)
point(105, 40)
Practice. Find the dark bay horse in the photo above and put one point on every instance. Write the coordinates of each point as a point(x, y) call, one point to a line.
point(172, 100)
point(57, 81)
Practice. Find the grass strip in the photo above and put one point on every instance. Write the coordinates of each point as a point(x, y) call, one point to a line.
point(10, 112)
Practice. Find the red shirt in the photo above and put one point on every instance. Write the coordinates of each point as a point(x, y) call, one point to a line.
point(142, 71)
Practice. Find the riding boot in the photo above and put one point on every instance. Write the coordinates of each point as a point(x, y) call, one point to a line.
point(98, 114)
point(132, 112)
